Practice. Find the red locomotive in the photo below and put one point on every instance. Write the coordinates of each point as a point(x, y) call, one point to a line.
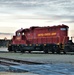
point(40, 39)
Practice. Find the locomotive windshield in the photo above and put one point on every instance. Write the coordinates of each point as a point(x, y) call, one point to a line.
point(18, 34)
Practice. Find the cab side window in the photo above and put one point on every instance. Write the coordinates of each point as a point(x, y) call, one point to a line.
point(63, 29)
point(22, 33)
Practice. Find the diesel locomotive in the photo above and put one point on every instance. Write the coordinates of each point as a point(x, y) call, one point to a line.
point(47, 39)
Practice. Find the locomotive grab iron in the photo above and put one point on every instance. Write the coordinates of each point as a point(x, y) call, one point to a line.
point(54, 39)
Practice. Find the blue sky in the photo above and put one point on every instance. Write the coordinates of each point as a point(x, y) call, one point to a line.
point(15, 14)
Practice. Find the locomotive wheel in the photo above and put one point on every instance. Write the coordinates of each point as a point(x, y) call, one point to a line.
point(52, 51)
point(29, 51)
point(22, 51)
point(9, 50)
point(64, 52)
point(58, 51)
point(46, 50)
point(67, 48)
point(15, 51)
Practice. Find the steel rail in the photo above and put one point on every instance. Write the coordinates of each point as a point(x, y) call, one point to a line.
point(17, 61)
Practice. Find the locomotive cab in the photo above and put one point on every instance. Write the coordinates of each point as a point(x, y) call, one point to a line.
point(17, 41)
point(19, 37)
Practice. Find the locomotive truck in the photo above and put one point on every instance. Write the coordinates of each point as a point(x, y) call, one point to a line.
point(47, 39)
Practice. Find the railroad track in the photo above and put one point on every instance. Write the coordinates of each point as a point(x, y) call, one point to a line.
point(14, 61)
point(26, 66)
point(68, 53)
point(14, 65)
